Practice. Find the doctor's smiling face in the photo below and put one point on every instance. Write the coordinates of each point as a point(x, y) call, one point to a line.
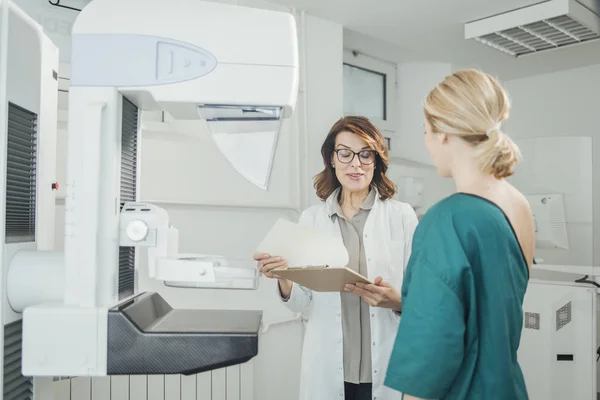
point(353, 161)
point(355, 157)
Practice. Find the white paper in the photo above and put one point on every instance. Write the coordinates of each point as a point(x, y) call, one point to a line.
point(304, 246)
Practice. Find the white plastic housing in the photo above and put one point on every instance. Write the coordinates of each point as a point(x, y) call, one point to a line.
point(191, 58)
point(35, 277)
point(534, 13)
point(147, 225)
point(225, 273)
point(28, 80)
point(557, 353)
point(410, 190)
point(550, 222)
point(234, 55)
point(547, 25)
point(179, 56)
point(61, 340)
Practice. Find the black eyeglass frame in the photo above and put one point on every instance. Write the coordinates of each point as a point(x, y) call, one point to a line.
point(354, 154)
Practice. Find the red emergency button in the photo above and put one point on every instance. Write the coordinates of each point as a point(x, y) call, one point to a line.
point(55, 186)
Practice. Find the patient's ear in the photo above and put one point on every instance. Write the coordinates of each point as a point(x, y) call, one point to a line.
point(443, 138)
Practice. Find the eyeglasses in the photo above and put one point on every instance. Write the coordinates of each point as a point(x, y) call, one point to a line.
point(365, 157)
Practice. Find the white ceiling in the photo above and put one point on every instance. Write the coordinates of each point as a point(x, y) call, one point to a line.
point(435, 29)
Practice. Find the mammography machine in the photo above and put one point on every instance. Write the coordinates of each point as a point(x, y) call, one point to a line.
point(235, 68)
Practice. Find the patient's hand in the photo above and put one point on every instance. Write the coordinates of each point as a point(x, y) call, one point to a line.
point(378, 294)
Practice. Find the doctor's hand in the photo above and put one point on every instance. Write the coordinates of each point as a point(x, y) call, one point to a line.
point(266, 263)
point(379, 294)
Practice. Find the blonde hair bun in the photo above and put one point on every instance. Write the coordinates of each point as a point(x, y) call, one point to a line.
point(498, 155)
point(472, 105)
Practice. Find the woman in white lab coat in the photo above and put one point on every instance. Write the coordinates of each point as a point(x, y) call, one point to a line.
point(349, 336)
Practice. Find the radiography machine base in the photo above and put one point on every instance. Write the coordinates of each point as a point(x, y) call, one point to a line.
point(146, 336)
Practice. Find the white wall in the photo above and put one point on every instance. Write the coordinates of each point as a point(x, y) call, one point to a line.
point(560, 166)
point(415, 76)
point(434, 187)
point(415, 81)
point(409, 156)
point(324, 92)
point(564, 104)
point(57, 22)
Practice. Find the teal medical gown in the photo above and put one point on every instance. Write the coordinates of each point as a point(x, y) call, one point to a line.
point(462, 306)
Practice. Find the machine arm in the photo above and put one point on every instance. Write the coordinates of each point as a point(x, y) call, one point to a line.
point(147, 225)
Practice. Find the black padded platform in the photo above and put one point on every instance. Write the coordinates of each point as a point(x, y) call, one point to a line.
point(146, 336)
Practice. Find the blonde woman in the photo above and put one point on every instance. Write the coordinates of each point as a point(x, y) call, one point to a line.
point(463, 290)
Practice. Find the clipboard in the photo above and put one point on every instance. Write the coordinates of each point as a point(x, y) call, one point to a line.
point(322, 279)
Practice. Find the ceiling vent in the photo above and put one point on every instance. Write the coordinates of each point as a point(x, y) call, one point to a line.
point(541, 27)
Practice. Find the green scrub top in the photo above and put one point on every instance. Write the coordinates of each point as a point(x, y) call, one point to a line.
point(462, 300)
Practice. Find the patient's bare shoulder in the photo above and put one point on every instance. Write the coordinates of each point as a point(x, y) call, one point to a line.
point(521, 217)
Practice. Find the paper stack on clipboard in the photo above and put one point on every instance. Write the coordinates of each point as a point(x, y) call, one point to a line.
point(316, 259)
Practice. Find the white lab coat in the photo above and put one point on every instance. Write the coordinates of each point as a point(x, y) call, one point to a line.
point(387, 239)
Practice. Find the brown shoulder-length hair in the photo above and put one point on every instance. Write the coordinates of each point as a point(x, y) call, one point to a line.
point(326, 181)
